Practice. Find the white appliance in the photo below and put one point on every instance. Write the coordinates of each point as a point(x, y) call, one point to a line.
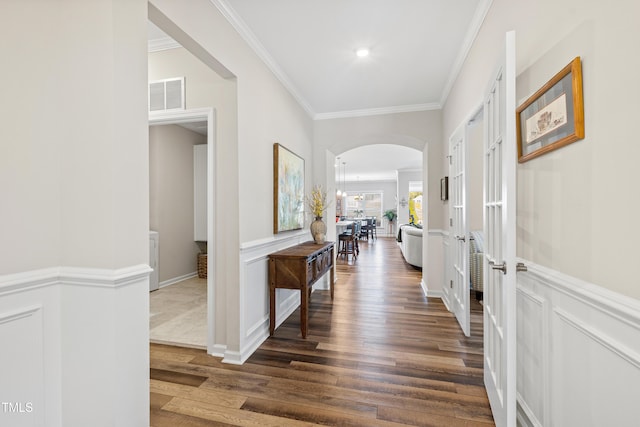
point(154, 241)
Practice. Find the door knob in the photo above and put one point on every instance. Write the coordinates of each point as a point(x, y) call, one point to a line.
point(463, 238)
point(502, 267)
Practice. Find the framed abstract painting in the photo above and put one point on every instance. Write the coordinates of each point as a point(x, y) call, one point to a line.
point(288, 190)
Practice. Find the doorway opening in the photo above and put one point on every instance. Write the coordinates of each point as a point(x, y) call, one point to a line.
point(466, 239)
point(183, 313)
point(475, 141)
point(375, 179)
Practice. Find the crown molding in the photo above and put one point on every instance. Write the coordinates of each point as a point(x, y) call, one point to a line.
point(241, 27)
point(377, 111)
point(250, 38)
point(470, 38)
point(164, 43)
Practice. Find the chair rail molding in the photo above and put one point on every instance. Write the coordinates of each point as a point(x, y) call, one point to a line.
point(75, 276)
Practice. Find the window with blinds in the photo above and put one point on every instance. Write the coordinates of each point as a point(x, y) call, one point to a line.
point(364, 204)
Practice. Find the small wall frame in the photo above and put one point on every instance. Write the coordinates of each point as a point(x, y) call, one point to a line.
point(553, 116)
point(444, 188)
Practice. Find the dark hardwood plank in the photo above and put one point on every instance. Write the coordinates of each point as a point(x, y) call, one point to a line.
point(177, 377)
point(416, 418)
point(313, 415)
point(379, 354)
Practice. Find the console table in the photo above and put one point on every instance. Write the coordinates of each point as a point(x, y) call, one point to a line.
point(299, 267)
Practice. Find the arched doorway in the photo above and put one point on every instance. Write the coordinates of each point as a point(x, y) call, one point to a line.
point(399, 192)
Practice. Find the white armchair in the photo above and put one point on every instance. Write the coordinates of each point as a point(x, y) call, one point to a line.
point(411, 244)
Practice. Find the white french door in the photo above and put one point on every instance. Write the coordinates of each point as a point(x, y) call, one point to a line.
point(500, 231)
point(458, 233)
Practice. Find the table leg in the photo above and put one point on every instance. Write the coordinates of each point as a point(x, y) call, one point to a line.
point(272, 309)
point(332, 278)
point(304, 311)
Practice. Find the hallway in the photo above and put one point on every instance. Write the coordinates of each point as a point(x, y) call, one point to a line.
point(380, 354)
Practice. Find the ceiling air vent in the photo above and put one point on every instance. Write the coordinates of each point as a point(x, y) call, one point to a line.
point(166, 94)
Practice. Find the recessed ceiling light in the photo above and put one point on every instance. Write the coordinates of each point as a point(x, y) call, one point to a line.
point(362, 52)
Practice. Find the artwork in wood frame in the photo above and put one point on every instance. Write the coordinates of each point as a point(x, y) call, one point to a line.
point(553, 116)
point(444, 188)
point(288, 190)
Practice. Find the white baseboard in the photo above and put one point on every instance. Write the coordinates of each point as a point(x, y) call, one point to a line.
point(233, 358)
point(217, 350)
point(429, 293)
point(178, 279)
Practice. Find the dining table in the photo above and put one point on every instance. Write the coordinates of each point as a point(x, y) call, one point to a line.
point(342, 225)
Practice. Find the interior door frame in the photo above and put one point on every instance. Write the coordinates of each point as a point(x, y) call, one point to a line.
point(462, 131)
point(502, 398)
point(158, 118)
point(458, 200)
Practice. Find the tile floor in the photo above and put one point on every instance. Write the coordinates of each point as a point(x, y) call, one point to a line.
point(178, 314)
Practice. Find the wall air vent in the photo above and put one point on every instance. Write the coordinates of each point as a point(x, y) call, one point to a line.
point(166, 94)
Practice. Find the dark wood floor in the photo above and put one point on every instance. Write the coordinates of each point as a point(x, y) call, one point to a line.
point(382, 354)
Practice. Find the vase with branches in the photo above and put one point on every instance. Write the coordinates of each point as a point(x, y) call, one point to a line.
point(317, 203)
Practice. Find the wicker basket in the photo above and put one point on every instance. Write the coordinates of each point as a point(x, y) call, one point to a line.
point(202, 266)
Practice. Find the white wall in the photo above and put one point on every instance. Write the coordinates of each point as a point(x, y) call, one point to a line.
point(74, 226)
point(569, 217)
point(43, 199)
point(171, 204)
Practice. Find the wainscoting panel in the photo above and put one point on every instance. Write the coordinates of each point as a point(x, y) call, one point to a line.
point(56, 326)
point(254, 293)
point(22, 363)
point(578, 352)
point(30, 372)
point(531, 353)
point(446, 270)
point(257, 307)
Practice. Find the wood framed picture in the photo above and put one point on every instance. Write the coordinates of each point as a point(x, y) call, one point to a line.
point(288, 190)
point(444, 188)
point(553, 116)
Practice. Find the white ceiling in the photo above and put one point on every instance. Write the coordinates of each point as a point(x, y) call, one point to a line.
point(376, 162)
point(416, 50)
